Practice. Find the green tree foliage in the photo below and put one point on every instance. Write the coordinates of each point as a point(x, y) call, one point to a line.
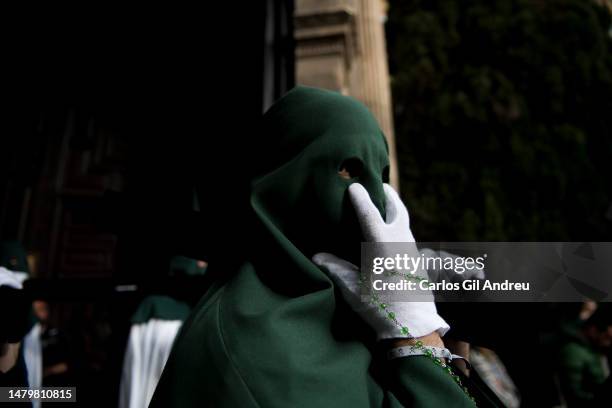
point(503, 116)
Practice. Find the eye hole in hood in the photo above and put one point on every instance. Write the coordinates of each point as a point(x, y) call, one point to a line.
point(351, 168)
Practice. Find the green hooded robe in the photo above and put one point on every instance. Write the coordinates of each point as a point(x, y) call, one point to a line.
point(275, 332)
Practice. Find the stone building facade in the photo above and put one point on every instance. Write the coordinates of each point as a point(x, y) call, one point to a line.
point(340, 45)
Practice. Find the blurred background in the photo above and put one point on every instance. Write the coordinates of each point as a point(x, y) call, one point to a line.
point(125, 143)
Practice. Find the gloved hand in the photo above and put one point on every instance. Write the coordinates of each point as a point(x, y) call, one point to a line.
point(419, 317)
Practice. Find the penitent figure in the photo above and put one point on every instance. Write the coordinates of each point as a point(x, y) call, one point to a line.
point(285, 328)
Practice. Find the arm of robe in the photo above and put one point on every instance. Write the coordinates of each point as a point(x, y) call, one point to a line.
point(208, 369)
point(418, 382)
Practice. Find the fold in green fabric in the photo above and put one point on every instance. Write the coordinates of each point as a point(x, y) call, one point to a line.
point(275, 332)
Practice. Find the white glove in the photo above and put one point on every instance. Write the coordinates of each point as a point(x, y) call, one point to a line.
point(373, 227)
point(420, 317)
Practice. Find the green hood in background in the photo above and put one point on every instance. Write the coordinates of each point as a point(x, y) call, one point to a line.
point(13, 256)
point(274, 332)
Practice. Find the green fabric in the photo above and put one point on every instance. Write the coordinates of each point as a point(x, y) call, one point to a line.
point(276, 333)
point(13, 256)
point(160, 307)
point(297, 192)
point(166, 307)
point(181, 265)
point(580, 368)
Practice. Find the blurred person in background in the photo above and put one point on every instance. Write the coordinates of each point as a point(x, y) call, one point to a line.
point(155, 324)
point(14, 310)
point(20, 351)
point(583, 366)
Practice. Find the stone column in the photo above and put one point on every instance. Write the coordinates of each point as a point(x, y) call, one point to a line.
point(370, 76)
